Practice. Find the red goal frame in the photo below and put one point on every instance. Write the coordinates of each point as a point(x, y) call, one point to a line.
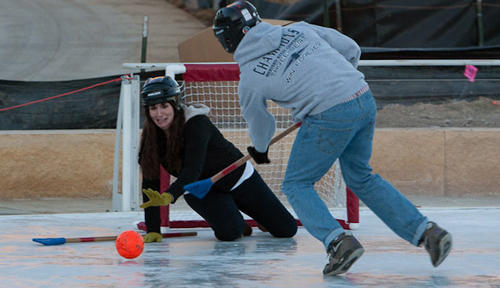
point(201, 72)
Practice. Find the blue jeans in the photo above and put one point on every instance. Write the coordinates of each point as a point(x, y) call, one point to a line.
point(344, 132)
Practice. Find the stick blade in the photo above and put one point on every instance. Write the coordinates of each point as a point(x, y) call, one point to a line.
point(199, 189)
point(50, 241)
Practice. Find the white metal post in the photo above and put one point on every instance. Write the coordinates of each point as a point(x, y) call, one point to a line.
point(126, 150)
point(117, 197)
point(136, 117)
point(130, 140)
point(128, 124)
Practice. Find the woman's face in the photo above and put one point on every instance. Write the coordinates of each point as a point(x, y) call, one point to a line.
point(162, 114)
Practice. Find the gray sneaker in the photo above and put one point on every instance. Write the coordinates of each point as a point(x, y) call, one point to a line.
point(437, 242)
point(342, 253)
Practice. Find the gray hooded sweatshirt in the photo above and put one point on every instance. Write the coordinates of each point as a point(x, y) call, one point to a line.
point(303, 67)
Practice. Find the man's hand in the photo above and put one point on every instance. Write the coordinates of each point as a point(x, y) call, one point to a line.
point(152, 237)
point(260, 158)
point(155, 199)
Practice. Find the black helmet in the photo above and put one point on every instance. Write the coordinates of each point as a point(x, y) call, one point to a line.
point(232, 22)
point(160, 89)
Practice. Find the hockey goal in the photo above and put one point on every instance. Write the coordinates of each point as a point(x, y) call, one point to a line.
point(216, 85)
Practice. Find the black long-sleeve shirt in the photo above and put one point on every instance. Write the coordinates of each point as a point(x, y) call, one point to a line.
point(206, 153)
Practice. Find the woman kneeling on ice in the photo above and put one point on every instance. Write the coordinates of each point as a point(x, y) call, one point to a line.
point(186, 143)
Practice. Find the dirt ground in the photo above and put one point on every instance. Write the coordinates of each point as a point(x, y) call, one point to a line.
point(478, 113)
point(482, 112)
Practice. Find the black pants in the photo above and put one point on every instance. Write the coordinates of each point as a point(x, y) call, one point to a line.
point(221, 209)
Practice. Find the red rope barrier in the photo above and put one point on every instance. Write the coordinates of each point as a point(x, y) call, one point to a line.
point(61, 95)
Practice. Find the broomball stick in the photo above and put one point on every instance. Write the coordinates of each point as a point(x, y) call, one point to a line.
point(200, 188)
point(60, 241)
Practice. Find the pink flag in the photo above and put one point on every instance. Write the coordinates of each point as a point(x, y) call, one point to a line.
point(470, 72)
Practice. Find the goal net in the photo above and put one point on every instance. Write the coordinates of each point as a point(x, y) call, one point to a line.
point(216, 86)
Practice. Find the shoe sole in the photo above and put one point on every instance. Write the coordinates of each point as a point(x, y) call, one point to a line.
point(347, 263)
point(445, 245)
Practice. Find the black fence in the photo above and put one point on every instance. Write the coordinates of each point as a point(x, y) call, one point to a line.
point(74, 104)
point(402, 29)
point(93, 103)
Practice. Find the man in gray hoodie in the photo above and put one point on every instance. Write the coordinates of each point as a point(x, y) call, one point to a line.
point(312, 70)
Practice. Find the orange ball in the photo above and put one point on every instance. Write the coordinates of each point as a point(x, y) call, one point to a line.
point(129, 244)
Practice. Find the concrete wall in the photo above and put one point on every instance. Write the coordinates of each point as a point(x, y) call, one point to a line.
point(79, 164)
point(56, 164)
point(440, 162)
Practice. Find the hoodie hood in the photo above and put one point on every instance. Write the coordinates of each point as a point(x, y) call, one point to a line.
point(194, 110)
point(263, 35)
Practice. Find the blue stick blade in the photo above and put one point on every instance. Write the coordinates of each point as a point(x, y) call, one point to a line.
point(50, 241)
point(199, 189)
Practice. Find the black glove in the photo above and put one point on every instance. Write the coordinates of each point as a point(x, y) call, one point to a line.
point(260, 158)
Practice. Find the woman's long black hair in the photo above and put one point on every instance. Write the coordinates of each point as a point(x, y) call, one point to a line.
point(158, 146)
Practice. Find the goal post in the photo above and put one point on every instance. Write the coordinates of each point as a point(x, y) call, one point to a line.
point(216, 86)
point(127, 142)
